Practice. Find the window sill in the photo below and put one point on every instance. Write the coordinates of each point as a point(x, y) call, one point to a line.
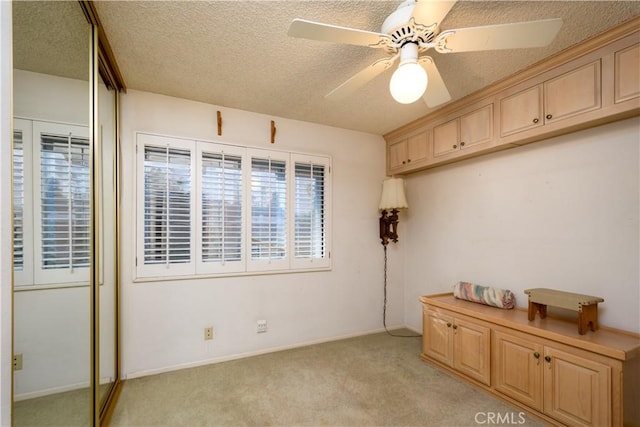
point(228, 275)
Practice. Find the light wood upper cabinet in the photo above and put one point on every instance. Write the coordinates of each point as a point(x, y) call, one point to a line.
point(408, 153)
point(590, 84)
point(464, 132)
point(627, 74)
point(573, 93)
point(455, 342)
point(521, 111)
point(564, 96)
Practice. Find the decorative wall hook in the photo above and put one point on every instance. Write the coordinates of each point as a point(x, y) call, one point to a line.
point(273, 131)
point(219, 123)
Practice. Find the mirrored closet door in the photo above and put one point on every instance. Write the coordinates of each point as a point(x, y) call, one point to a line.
point(64, 216)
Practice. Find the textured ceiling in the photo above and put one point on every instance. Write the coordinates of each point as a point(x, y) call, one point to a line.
point(237, 53)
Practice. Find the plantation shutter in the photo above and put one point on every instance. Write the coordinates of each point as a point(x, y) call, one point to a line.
point(310, 227)
point(18, 201)
point(167, 206)
point(268, 210)
point(309, 211)
point(221, 209)
point(65, 198)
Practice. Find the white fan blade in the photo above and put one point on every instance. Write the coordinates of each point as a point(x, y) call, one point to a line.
point(361, 78)
point(436, 92)
point(429, 12)
point(302, 28)
point(504, 36)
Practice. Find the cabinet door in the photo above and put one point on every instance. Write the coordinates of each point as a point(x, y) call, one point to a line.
point(417, 149)
point(397, 155)
point(476, 127)
point(445, 138)
point(471, 347)
point(521, 111)
point(518, 368)
point(573, 93)
point(436, 338)
point(627, 74)
point(577, 390)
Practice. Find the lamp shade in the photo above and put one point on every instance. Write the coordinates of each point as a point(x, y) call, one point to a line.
point(393, 194)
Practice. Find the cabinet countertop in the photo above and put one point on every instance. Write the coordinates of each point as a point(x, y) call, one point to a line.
point(621, 345)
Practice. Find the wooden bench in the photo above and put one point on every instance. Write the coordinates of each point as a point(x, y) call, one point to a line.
point(585, 305)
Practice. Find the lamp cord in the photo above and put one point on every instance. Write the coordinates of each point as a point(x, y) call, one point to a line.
point(384, 307)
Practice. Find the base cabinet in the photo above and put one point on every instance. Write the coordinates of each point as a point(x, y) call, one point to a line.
point(459, 343)
point(571, 389)
point(544, 366)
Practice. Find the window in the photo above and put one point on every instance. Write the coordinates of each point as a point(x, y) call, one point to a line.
point(310, 195)
point(168, 197)
point(268, 211)
point(208, 208)
point(221, 201)
point(51, 185)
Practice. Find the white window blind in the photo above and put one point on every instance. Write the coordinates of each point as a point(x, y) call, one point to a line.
point(65, 199)
point(268, 209)
point(310, 210)
point(18, 201)
point(167, 205)
point(221, 210)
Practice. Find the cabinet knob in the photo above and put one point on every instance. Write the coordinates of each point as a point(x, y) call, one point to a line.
point(536, 355)
point(403, 162)
point(455, 146)
point(535, 120)
point(409, 161)
point(448, 324)
point(547, 359)
point(462, 144)
point(455, 326)
point(549, 116)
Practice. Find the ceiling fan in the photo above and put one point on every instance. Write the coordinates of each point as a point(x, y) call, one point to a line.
point(412, 29)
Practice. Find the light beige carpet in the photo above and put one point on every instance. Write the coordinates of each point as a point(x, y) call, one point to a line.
point(374, 380)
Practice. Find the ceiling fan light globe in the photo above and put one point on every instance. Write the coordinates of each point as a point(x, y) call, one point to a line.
point(408, 83)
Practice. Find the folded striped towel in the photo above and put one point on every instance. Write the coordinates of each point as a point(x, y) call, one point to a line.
point(496, 297)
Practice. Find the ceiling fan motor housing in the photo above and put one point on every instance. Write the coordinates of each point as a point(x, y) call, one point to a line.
point(403, 29)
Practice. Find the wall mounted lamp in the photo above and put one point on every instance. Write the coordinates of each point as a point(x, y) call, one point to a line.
point(392, 199)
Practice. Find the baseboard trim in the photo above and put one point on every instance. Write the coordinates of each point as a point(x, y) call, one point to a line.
point(203, 362)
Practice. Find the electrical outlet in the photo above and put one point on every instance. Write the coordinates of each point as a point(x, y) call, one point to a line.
point(17, 362)
point(208, 333)
point(262, 326)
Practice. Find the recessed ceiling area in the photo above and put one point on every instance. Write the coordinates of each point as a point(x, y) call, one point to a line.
point(237, 54)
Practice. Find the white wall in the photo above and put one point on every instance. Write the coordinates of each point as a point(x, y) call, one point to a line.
point(163, 321)
point(562, 213)
point(5, 214)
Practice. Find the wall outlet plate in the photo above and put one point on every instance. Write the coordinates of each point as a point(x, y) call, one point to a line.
point(262, 326)
point(17, 362)
point(208, 333)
